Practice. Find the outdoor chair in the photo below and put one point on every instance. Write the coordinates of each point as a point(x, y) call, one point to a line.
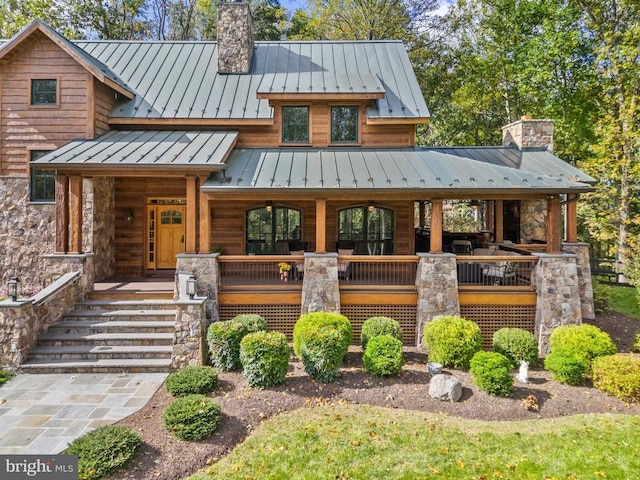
point(462, 247)
point(345, 269)
point(501, 273)
point(298, 267)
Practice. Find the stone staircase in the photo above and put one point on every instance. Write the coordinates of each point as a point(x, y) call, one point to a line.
point(108, 334)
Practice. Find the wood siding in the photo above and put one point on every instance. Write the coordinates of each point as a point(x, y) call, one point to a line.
point(39, 128)
point(104, 100)
point(132, 194)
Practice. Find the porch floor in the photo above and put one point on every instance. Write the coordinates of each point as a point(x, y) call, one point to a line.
point(137, 287)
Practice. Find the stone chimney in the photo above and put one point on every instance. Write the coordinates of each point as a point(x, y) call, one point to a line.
point(527, 133)
point(235, 37)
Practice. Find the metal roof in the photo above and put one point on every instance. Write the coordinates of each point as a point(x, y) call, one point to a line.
point(374, 169)
point(180, 79)
point(138, 148)
point(538, 161)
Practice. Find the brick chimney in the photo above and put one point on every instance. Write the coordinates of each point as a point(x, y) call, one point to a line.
point(527, 133)
point(235, 37)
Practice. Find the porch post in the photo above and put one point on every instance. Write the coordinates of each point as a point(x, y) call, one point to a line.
point(192, 215)
point(554, 219)
point(421, 212)
point(498, 235)
point(62, 214)
point(321, 225)
point(205, 223)
point(436, 226)
point(572, 218)
point(75, 213)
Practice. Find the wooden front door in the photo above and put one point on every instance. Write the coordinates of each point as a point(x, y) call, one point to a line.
point(170, 232)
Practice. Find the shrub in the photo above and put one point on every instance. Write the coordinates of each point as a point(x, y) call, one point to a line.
point(224, 339)
point(6, 376)
point(375, 326)
point(103, 450)
point(193, 417)
point(452, 341)
point(583, 341)
point(265, 358)
point(636, 344)
point(601, 295)
point(322, 352)
point(383, 356)
point(565, 367)
point(516, 344)
point(317, 320)
point(490, 371)
point(618, 375)
point(192, 379)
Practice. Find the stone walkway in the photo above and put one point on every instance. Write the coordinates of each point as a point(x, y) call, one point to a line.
point(43, 413)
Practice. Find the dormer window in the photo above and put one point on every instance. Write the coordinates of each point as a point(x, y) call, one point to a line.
point(44, 92)
point(295, 124)
point(344, 124)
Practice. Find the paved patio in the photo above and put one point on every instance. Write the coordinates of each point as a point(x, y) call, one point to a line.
point(43, 413)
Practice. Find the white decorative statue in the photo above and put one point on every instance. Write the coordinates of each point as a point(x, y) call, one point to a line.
point(523, 374)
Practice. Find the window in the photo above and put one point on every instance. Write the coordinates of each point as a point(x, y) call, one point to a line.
point(270, 228)
point(369, 229)
point(344, 124)
point(43, 182)
point(44, 92)
point(295, 124)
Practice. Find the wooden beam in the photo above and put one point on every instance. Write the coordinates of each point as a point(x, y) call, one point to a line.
point(75, 214)
point(572, 218)
point(62, 214)
point(205, 222)
point(554, 222)
point(91, 108)
point(499, 217)
point(334, 97)
point(190, 122)
point(490, 221)
point(192, 215)
point(421, 213)
point(321, 225)
point(436, 226)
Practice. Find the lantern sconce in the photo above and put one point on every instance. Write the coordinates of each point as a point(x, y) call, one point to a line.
point(128, 216)
point(371, 207)
point(191, 287)
point(12, 288)
point(269, 206)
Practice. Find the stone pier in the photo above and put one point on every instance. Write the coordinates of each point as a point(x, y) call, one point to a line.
point(204, 267)
point(581, 251)
point(320, 287)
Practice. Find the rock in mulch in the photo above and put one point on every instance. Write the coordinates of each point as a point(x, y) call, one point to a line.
point(445, 387)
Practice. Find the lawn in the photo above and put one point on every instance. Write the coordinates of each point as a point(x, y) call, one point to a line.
point(362, 442)
point(625, 301)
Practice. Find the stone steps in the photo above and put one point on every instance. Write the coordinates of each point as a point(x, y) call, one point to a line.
point(111, 326)
point(95, 352)
point(119, 315)
point(118, 365)
point(110, 339)
point(122, 304)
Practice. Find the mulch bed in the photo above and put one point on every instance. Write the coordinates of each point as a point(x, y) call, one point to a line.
point(243, 409)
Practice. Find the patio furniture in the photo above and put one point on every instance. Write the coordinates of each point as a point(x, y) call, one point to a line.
point(345, 269)
point(298, 267)
point(461, 247)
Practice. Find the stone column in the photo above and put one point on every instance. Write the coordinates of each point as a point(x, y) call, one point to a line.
point(18, 332)
point(556, 280)
point(189, 347)
point(320, 287)
point(204, 267)
point(581, 251)
point(533, 220)
point(57, 265)
point(437, 283)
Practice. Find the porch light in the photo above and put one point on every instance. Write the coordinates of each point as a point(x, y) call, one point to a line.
point(191, 287)
point(128, 216)
point(12, 288)
point(269, 206)
point(371, 208)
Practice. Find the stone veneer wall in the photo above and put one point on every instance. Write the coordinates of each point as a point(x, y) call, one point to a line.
point(558, 303)
point(320, 287)
point(57, 265)
point(437, 285)
point(189, 347)
point(235, 37)
point(533, 220)
point(585, 285)
point(27, 230)
point(98, 223)
point(204, 267)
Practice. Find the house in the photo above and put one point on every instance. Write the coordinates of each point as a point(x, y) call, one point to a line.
point(223, 159)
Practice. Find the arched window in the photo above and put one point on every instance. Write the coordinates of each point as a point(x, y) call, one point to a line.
point(270, 228)
point(369, 229)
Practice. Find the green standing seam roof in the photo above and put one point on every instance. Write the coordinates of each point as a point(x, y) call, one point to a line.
point(145, 148)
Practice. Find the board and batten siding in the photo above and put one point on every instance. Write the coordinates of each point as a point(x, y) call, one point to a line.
point(25, 127)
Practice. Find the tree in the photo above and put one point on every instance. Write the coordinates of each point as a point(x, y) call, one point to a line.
point(17, 14)
point(269, 19)
point(113, 19)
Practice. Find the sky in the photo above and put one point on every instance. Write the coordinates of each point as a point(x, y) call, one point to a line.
point(292, 5)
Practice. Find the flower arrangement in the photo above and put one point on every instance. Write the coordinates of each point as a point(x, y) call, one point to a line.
point(284, 266)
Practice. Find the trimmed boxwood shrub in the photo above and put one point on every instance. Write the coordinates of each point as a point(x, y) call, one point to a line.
point(583, 341)
point(265, 358)
point(322, 353)
point(383, 356)
point(193, 417)
point(192, 379)
point(618, 375)
point(224, 339)
point(565, 367)
point(452, 341)
point(490, 371)
point(103, 450)
point(375, 326)
point(636, 343)
point(318, 320)
point(516, 344)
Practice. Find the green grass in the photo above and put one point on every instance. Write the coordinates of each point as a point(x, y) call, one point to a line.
point(363, 442)
point(6, 376)
point(624, 300)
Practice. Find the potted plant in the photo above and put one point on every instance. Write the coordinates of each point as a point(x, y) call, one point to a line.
point(284, 270)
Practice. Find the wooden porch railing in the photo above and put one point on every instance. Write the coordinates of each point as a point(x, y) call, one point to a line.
point(496, 271)
point(531, 247)
point(371, 271)
point(258, 271)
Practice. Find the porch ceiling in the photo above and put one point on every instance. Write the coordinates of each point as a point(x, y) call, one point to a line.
point(144, 149)
point(378, 170)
